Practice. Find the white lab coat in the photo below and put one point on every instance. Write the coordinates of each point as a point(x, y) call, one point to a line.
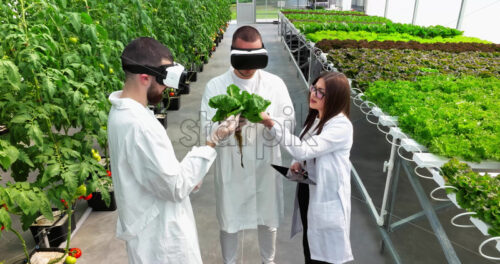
point(329, 211)
point(253, 195)
point(151, 187)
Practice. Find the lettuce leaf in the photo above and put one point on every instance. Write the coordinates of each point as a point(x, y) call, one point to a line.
point(236, 102)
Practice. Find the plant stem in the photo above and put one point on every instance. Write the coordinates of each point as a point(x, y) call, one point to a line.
point(87, 7)
point(69, 212)
point(60, 32)
point(23, 242)
point(23, 20)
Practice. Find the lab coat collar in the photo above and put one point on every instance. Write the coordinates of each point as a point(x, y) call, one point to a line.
point(124, 103)
point(339, 115)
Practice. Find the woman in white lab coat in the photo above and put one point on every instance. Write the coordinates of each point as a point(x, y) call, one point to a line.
point(323, 210)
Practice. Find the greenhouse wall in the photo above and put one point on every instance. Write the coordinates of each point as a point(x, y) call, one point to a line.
point(296, 3)
point(479, 15)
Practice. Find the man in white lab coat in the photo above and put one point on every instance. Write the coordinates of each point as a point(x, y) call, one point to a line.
point(249, 197)
point(151, 187)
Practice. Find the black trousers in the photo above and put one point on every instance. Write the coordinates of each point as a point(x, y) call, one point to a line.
point(303, 197)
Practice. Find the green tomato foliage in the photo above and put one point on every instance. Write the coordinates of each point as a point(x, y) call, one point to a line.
point(59, 61)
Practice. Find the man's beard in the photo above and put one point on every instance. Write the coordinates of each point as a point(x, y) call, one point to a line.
point(154, 97)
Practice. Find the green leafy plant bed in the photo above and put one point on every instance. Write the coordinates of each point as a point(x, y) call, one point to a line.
point(371, 36)
point(453, 117)
point(307, 27)
point(368, 65)
point(323, 12)
point(338, 18)
point(327, 45)
point(475, 193)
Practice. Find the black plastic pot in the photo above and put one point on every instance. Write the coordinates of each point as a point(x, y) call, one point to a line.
point(37, 250)
point(184, 89)
point(192, 76)
point(98, 204)
point(56, 233)
point(175, 103)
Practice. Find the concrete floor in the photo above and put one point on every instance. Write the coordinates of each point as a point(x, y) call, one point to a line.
point(414, 242)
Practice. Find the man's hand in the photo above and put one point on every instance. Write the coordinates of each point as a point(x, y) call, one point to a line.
point(266, 120)
point(223, 130)
point(296, 167)
point(197, 187)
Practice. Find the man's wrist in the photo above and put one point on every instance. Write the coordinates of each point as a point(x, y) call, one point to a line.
point(211, 144)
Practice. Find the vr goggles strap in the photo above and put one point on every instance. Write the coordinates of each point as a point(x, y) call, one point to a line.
point(144, 69)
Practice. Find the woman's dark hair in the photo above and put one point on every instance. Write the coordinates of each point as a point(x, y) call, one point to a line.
point(145, 51)
point(337, 100)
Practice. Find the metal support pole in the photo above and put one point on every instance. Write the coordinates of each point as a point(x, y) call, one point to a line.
point(45, 238)
point(461, 14)
point(386, 8)
point(386, 216)
point(415, 10)
point(394, 226)
point(393, 190)
point(366, 197)
point(388, 165)
point(448, 250)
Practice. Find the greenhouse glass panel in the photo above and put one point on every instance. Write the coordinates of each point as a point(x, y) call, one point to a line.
point(267, 9)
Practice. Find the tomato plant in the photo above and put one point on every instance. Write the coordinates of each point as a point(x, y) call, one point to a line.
point(58, 62)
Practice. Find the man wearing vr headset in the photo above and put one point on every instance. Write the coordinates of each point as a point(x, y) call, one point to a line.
point(151, 187)
point(249, 197)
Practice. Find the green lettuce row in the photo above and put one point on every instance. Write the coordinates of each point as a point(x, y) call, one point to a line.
point(365, 66)
point(452, 116)
point(339, 18)
point(371, 36)
point(322, 11)
point(423, 32)
point(475, 192)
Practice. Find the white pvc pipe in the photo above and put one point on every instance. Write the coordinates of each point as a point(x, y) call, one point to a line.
point(460, 215)
point(441, 188)
point(484, 243)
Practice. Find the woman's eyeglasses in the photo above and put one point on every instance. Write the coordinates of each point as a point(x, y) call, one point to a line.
point(318, 93)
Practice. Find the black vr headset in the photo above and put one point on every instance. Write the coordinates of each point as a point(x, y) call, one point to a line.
point(249, 59)
point(171, 75)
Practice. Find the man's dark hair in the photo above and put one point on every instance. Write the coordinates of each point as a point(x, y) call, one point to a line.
point(246, 33)
point(145, 51)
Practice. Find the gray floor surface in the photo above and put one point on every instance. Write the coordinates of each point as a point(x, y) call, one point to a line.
point(415, 242)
